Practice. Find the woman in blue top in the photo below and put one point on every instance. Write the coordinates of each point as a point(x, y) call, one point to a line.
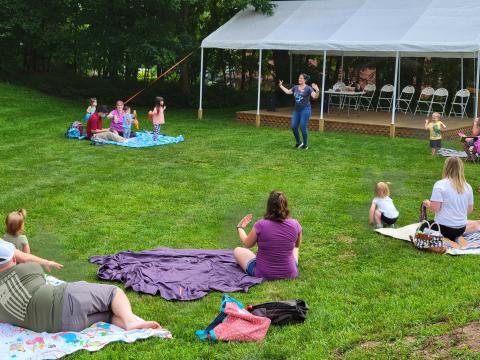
point(303, 110)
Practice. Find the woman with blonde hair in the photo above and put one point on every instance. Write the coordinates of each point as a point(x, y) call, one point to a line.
point(452, 201)
point(278, 238)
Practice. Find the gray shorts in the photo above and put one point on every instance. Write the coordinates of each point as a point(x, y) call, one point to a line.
point(85, 304)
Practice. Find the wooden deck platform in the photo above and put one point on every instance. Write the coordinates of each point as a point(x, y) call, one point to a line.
point(362, 122)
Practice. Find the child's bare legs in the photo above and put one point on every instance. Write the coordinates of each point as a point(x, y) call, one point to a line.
point(377, 219)
point(124, 317)
point(434, 151)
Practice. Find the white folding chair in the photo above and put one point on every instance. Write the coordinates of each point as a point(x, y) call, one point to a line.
point(405, 98)
point(439, 100)
point(425, 99)
point(365, 101)
point(337, 99)
point(460, 101)
point(386, 95)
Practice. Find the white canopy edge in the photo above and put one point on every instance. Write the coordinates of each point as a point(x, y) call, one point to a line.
point(434, 28)
point(390, 54)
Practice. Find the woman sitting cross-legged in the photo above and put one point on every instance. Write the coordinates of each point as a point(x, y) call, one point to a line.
point(452, 201)
point(278, 239)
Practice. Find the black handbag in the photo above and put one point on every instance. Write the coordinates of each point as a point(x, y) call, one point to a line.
point(281, 312)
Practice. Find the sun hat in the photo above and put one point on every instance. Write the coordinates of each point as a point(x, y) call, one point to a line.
point(7, 250)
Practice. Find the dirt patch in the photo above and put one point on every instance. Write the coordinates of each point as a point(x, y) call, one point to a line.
point(347, 255)
point(465, 337)
point(346, 239)
point(370, 344)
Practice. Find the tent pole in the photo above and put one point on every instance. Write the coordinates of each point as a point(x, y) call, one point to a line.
point(200, 110)
point(341, 74)
point(461, 73)
point(291, 66)
point(461, 82)
point(394, 96)
point(477, 84)
point(320, 124)
point(399, 74)
point(257, 117)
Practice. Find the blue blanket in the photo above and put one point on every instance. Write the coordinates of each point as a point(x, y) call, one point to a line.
point(145, 139)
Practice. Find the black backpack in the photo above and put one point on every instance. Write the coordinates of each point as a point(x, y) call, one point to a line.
point(281, 312)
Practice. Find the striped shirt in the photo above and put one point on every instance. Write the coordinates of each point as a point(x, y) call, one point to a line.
point(26, 299)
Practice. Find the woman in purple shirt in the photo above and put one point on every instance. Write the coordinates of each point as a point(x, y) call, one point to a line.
point(278, 239)
point(116, 118)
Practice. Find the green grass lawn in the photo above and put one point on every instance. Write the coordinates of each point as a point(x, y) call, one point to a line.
point(87, 200)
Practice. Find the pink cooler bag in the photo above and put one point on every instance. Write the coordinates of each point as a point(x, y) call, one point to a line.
point(235, 323)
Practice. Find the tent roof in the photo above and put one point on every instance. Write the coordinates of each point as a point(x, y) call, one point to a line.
point(370, 27)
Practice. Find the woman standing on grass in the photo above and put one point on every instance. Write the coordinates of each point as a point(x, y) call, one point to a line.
point(452, 201)
point(278, 238)
point(303, 110)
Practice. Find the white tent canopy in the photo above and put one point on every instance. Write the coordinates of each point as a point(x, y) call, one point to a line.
point(387, 26)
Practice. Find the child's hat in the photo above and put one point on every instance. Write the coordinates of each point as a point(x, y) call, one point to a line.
point(7, 250)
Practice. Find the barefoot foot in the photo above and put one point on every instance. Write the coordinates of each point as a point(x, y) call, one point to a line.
point(142, 324)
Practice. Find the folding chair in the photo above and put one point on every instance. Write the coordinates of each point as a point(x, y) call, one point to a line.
point(386, 94)
point(440, 97)
point(339, 86)
point(365, 101)
point(425, 98)
point(405, 98)
point(460, 101)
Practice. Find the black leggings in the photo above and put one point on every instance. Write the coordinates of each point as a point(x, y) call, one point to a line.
point(448, 232)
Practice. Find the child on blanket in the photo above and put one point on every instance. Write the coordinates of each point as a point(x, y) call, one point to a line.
point(90, 109)
point(383, 212)
point(14, 229)
point(127, 122)
point(157, 117)
point(435, 127)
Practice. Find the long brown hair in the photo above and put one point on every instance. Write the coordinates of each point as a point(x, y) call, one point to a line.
point(277, 207)
point(14, 222)
point(453, 171)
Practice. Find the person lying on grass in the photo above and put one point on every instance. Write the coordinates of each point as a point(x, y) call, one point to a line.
point(278, 238)
point(452, 201)
point(26, 300)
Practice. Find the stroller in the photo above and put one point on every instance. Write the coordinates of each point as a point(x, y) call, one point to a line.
point(471, 146)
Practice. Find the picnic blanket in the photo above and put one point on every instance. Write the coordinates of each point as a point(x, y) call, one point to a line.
point(451, 152)
point(405, 232)
point(19, 343)
point(144, 139)
point(175, 274)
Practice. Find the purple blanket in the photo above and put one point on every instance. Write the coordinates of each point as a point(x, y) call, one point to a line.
point(176, 274)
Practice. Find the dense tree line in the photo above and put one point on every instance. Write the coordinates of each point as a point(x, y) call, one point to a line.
point(127, 41)
point(115, 39)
